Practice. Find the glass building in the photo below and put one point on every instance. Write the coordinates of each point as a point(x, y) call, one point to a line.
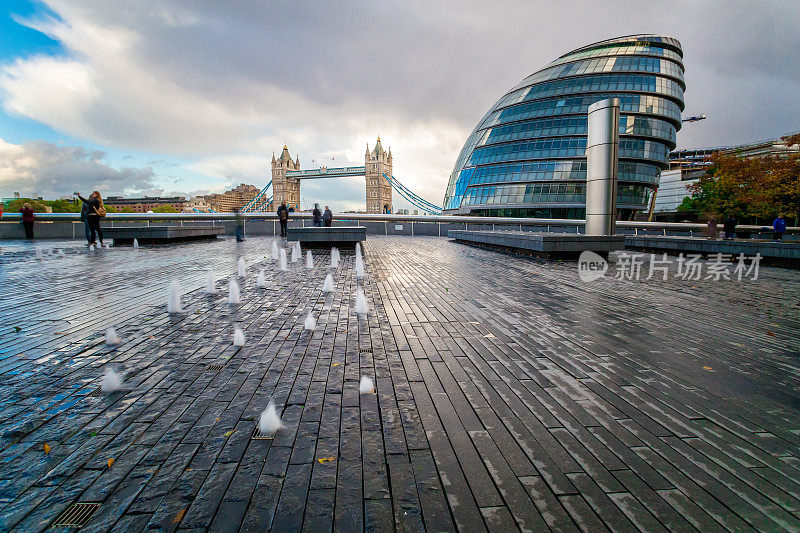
point(527, 156)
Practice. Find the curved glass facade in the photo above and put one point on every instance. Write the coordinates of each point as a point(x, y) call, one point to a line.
point(527, 156)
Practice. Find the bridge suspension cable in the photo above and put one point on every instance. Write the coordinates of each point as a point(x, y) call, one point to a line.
point(260, 202)
point(412, 197)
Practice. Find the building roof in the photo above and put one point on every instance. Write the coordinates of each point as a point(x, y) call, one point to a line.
point(285, 155)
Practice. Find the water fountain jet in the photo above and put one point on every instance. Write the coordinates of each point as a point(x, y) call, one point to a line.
point(311, 323)
point(112, 339)
point(366, 386)
point(211, 285)
point(234, 297)
point(112, 381)
point(174, 297)
point(269, 422)
point(328, 285)
point(238, 337)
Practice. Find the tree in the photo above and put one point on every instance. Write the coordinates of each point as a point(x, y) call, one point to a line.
point(127, 209)
point(63, 206)
point(110, 209)
point(762, 187)
point(15, 205)
point(166, 208)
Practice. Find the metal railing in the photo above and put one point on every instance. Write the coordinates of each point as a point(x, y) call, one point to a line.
point(501, 223)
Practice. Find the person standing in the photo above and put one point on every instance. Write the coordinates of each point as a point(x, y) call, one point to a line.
point(778, 228)
point(317, 216)
point(283, 218)
point(327, 217)
point(27, 220)
point(86, 207)
point(239, 226)
point(94, 213)
point(729, 227)
point(711, 232)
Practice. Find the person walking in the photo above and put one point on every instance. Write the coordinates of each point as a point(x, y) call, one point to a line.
point(94, 212)
point(317, 216)
point(729, 227)
point(711, 232)
point(27, 220)
point(327, 217)
point(778, 228)
point(283, 218)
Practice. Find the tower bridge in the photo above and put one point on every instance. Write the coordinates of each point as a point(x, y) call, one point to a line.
point(378, 179)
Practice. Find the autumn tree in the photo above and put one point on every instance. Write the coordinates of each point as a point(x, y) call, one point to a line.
point(762, 187)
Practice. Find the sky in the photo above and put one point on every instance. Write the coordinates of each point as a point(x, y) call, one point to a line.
point(193, 96)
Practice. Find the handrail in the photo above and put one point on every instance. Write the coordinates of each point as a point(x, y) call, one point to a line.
point(379, 217)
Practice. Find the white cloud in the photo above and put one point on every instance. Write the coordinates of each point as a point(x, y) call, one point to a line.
point(51, 171)
point(223, 84)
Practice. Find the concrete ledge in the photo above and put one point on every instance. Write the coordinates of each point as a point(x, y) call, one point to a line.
point(316, 237)
point(160, 234)
point(780, 253)
point(549, 245)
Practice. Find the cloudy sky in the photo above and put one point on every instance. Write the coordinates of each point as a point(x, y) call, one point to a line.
point(192, 96)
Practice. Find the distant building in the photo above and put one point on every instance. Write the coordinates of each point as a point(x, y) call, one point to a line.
point(687, 166)
point(233, 200)
point(285, 189)
point(145, 203)
point(199, 203)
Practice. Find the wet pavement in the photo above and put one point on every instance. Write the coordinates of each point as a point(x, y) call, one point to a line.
point(509, 394)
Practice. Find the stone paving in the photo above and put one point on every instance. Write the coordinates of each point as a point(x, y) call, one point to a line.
point(510, 395)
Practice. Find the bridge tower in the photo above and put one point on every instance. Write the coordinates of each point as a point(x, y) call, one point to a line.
point(285, 188)
point(379, 190)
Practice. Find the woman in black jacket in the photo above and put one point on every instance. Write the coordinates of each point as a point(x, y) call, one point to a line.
point(91, 208)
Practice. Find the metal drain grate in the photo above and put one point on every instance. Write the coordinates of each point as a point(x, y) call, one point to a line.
point(215, 368)
point(257, 435)
point(96, 392)
point(365, 350)
point(76, 515)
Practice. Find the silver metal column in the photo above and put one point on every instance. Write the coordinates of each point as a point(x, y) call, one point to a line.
point(602, 154)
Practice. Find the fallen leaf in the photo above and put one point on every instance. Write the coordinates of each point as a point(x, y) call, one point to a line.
point(770, 334)
point(93, 434)
point(228, 433)
point(46, 448)
point(179, 516)
point(336, 364)
point(110, 462)
point(323, 460)
point(706, 368)
point(17, 329)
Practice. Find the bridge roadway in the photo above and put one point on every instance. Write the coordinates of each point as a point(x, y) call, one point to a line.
point(509, 394)
point(325, 172)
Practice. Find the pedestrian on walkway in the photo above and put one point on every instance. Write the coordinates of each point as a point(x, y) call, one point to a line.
point(239, 226)
point(778, 228)
point(327, 217)
point(317, 216)
point(729, 227)
point(27, 220)
point(94, 212)
point(86, 207)
point(711, 232)
point(283, 218)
